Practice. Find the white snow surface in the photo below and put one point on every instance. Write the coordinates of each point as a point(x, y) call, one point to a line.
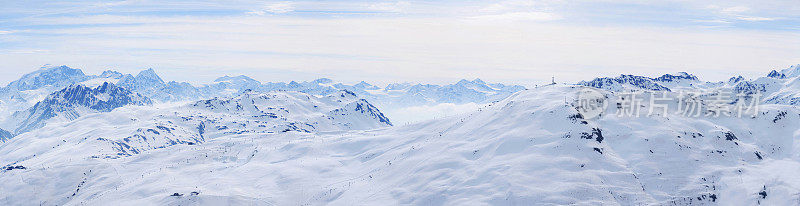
point(529, 149)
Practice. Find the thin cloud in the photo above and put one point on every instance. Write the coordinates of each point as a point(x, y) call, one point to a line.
point(519, 16)
point(275, 8)
point(735, 9)
point(715, 21)
point(398, 6)
point(424, 41)
point(755, 18)
point(739, 13)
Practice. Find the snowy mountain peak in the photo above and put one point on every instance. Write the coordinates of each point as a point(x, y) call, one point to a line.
point(103, 98)
point(147, 82)
point(736, 79)
point(626, 82)
point(47, 76)
point(111, 74)
point(676, 77)
point(293, 111)
point(365, 85)
point(366, 109)
point(75, 101)
point(776, 74)
point(149, 75)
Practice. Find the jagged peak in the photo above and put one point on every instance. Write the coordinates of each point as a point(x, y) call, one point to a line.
point(776, 74)
point(676, 76)
point(735, 79)
point(641, 82)
point(103, 88)
point(149, 75)
point(111, 74)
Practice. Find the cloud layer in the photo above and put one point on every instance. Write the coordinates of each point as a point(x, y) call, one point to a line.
point(523, 42)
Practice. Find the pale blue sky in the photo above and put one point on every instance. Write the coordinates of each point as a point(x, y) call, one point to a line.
point(386, 41)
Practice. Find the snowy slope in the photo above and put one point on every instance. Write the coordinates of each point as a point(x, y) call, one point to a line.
point(531, 148)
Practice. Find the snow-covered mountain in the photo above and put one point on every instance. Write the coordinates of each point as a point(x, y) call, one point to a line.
point(150, 84)
point(46, 77)
point(72, 102)
point(129, 131)
point(777, 87)
point(531, 148)
point(666, 82)
point(145, 81)
point(292, 111)
point(32, 88)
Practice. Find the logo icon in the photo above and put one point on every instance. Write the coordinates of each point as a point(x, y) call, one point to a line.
point(591, 103)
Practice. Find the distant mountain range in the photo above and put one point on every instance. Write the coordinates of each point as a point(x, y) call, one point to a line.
point(61, 93)
point(777, 87)
point(34, 87)
point(780, 87)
